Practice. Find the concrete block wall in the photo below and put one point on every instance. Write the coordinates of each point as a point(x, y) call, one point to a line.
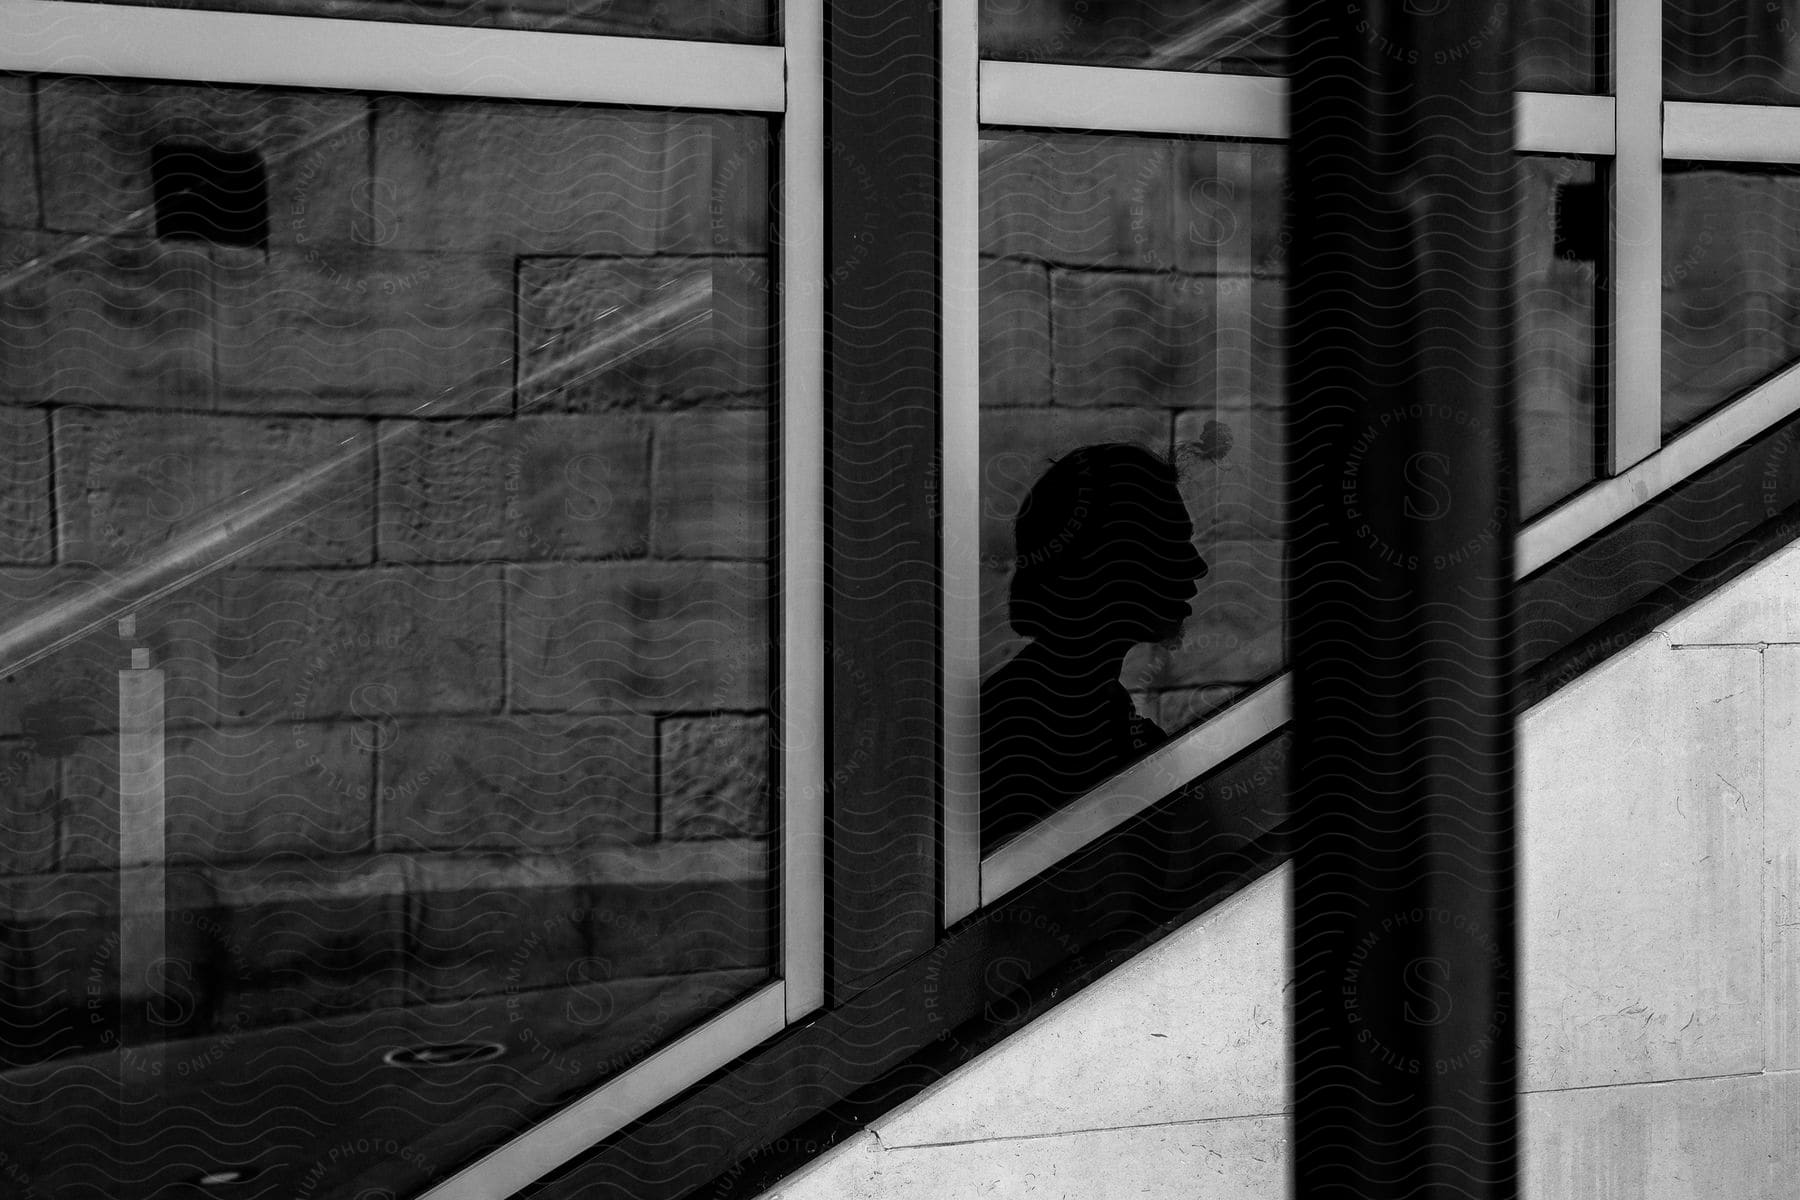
point(1132, 291)
point(1730, 307)
point(1659, 956)
point(516, 655)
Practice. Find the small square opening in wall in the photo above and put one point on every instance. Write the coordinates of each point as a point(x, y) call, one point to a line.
point(1580, 221)
point(207, 194)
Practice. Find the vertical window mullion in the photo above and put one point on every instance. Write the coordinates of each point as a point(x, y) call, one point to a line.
point(1635, 408)
point(959, 482)
point(802, 471)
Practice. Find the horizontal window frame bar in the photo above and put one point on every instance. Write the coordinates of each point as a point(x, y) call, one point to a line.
point(1173, 765)
point(130, 41)
point(1204, 104)
point(1598, 506)
point(1748, 133)
point(1132, 100)
point(583, 1124)
point(1263, 712)
point(1549, 123)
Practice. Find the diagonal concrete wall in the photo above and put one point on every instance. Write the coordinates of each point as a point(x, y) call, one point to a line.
point(1660, 949)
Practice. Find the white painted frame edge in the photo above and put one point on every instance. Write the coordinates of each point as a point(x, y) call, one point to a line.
point(281, 51)
point(1126, 100)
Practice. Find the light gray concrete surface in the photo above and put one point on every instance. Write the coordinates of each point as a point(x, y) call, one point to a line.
point(1660, 959)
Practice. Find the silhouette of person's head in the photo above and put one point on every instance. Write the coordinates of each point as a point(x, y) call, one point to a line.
point(1106, 557)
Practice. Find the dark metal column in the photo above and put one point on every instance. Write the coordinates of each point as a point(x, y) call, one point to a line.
point(883, 400)
point(1402, 506)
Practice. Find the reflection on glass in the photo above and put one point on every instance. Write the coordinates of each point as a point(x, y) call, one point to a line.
point(1557, 40)
point(692, 20)
point(1730, 261)
point(1131, 294)
point(1733, 50)
point(1559, 263)
point(384, 715)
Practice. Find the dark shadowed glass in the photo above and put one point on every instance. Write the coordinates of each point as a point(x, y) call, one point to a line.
point(1560, 259)
point(1558, 41)
point(1731, 258)
point(385, 564)
point(1732, 50)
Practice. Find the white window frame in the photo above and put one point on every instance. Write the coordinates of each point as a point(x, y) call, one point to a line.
point(116, 40)
point(1633, 128)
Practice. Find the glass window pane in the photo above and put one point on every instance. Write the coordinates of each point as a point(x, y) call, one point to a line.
point(1132, 298)
point(751, 21)
point(423, 445)
point(1560, 258)
point(1558, 40)
point(1730, 316)
point(1735, 50)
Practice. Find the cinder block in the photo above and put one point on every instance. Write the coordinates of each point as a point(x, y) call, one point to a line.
point(97, 136)
point(552, 179)
point(714, 776)
point(107, 321)
point(542, 487)
point(712, 485)
point(29, 809)
point(1079, 199)
point(133, 485)
point(365, 330)
point(24, 486)
point(640, 637)
point(607, 333)
point(229, 794)
point(1015, 333)
point(1131, 339)
point(369, 646)
point(18, 155)
point(519, 782)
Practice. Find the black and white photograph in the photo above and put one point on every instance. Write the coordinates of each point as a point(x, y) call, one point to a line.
point(899, 599)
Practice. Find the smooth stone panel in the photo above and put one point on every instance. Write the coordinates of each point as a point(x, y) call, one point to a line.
point(1781, 855)
point(1245, 1158)
point(1762, 605)
point(1700, 1139)
point(1640, 872)
point(1194, 1028)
